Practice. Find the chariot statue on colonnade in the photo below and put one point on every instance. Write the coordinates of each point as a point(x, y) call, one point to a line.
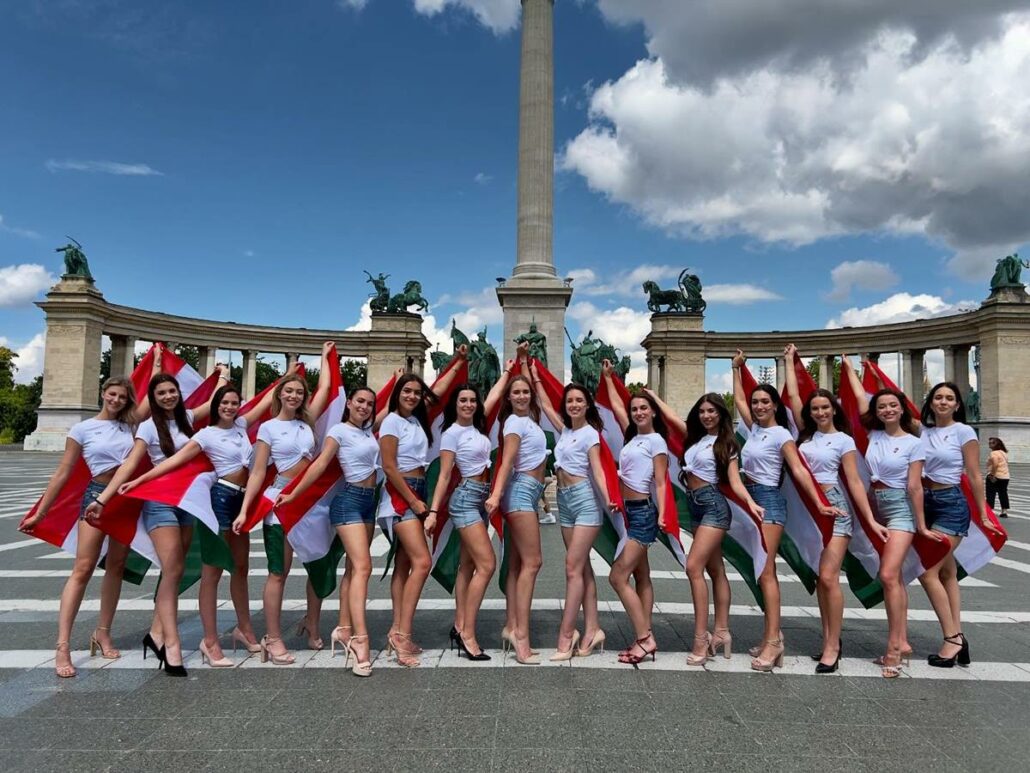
point(382, 302)
point(685, 300)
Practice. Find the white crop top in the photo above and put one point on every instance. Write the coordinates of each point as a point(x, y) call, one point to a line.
point(761, 458)
point(943, 449)
point(471, 449)
point(636, 461)
point(358, 454)
point(532, 442)
point(105, 443)
point(824, 454)
point(570, 452)
point(228, 449)
point(889, 457)
point(412, 443)
point(289, 440)
point(147, 432)
point(699, 460)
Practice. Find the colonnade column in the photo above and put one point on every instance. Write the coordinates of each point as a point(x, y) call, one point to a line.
point(912, 373)
point(781, 372)
point(249, 373)
point(956, 366)
point(826, 363)
point(291, 359)
point(208, 359)
point(123, 350)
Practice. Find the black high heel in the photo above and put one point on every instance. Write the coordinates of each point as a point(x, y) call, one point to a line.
point(455, 640)
point(170, 670)
point(961, 657)
point(462, 647)
point(149, 643)
point(817, 657)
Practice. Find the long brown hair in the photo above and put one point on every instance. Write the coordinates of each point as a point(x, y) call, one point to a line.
point(908, 422)
point(725, 446)
point(127, 415)
point(808, 425)
point(277, 401)
point(182, 421)
point(592, 415)
point(507, 410)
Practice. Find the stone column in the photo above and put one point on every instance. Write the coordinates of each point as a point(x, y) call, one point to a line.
point(781, 372)
point(873, 356)
point(912, 374)
point(291, 359)
point(1004, 372)
point(826, 363)
point(676, 350)
point(956, 366)
point(123, 350)
point(75, 318)
point(208, 359)
point(249, 385)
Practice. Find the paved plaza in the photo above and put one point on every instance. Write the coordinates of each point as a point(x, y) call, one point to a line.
point(452, 715)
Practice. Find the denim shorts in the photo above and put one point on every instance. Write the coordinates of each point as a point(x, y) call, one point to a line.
point(947, 511)
point(353, 504)
point(893, 509)
point(93, 490)
point(523, 494)
point(843, 525)
point(226, 503)
point(642, 515)
point(771, 499)
point(708, 507)
point(418, 487)
point(156, 514)
point(467, 505)
point(577, 505)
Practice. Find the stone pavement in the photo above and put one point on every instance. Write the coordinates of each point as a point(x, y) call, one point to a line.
point(453, 715)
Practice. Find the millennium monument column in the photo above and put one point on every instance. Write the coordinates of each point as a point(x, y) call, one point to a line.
point(535, 293)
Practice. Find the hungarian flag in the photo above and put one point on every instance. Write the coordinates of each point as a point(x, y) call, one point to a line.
point(980, 546)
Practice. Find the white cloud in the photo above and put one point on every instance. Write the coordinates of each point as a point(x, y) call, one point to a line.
point(28, 234)
point(861, 274)
point(365, 320)
point(104, 167)
point(629, 284)
point(900, 307)
point(923, 135)
point(482, 178)
point(500, 16)
point(21, 284)
point(721, 382)
point(479, 308)
point(357, 5)
point(738, 294)
point(29, 362)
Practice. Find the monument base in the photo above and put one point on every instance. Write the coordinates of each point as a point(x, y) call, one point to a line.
point(676, 358)
point(52, 427)
point(528, 301)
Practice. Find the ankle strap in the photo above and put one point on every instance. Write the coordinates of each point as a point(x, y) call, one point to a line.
point(103, 628)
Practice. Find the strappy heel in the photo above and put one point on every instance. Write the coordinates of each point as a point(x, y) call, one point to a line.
point(205, 656)
point(632, 658)
point(721, 638)
point(336, 637)
point(286, 659)
point(314, 641)
point(94, 645)
point(361, 667)
point(891, 665)
point(561, 655)
point(405, 656)
point(904, 655)
point(68, 671)
point(239, 638)
point(757, 649)
point(758, 664)
point(700, 660)
point(596, 641)
point(961, 657)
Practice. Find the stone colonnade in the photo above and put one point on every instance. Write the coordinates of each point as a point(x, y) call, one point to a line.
point(77, 316)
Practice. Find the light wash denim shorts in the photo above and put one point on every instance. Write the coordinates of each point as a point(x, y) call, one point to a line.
point(93, 490)
point(947, 511)
point(156, 514)
point(893, 509)
point(468, 503)
point(523, 494)
point(577, 505)
point(353, 504)
point(843, 525)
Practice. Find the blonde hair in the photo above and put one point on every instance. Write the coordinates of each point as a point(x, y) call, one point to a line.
point(127, 415)
point(277, 402)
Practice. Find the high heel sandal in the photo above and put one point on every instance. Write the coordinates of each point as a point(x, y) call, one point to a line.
point(905, 657)
point(757, 649)
point(314, 641)
point(721, 638)
point(405, 657)
point(361, 667)
point(464, 647)
point(413, 647)
point(888, 669)
point(508, 641)
point(170, 670)
point(336, 637)
point(239, 638)
point(632, 658)
point(65, 672)
point(700, 660)
point(595, 641)
point(533, 659)
point(205, 655)
point(961, 657)
point(286, 659)
point(95, 645)
point(757, 664)
point(560, 655)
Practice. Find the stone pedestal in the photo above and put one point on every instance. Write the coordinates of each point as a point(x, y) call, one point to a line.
point(676, 358)
point(1004, 374)
point(542, 301)
point(395, 341)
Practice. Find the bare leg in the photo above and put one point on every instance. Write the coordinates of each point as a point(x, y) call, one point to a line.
point(831, 598)
point(721, 594)
point(413, 539)
point(87, 554)
point(770, 586)
point(466, 566)
point(208, 603)
point(524, 530)
point(511, 553)
point(895, 595)
point(344, 619)
point(627, 563)
point(356, 539)
point(401, 571)
point(941, 586)
point(707, 540)
point(275, 585)
point(578, 542)
point(168, 543)
point(480, 556)
point(239, 546)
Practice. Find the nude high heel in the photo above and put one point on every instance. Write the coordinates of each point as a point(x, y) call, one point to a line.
point(700, 660)
point(286, 659)
point(361, 667)
point(721, 638)
point(314, 641)
point(94, 645)
point(757, 664)
point(336, 637)
point(596, 641)
point(65, 672)
point(239, 638)
point(508, 641)
point(560, 655)
point(205, 656)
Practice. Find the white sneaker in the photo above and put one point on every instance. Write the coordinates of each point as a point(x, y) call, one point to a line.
point(547, 517)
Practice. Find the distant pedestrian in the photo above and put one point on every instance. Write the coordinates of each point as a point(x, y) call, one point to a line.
point(998, 475)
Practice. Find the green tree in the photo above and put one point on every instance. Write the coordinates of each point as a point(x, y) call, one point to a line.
point(355, 374)
point(813, 369)
point(191, 355)
point(18, 402)
point(634, 387)
point(7, 367)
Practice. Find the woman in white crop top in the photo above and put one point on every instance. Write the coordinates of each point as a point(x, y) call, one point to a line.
point(952, 449)
point(710, 458)
point(286, 440)
point(404, 440)
point(578, 468)
point(103, 443)
point(825, 441)
point(228, 448)
point(517, 487)
point(769, 447)
point(466, 446)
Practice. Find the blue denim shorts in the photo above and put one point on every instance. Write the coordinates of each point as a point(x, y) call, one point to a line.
point(642, 515)
point(771, 499)
point(577, 505)
point(947, 511)
point(156, 514)
point(468, 503)
point(893, 509)
point(418, 487)
point(93, 490)
point(708, 507)
point(226, 502)
point(523, 494)
point(353, 504)
point(843, 525)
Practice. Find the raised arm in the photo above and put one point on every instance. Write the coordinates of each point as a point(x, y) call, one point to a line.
point(545, 400)
point(443, 482)
point(672, 419)
point(382, 411)
point(803, 478)
point(498, 389)
point(142, 412)
point(849, 465)
point(847, 371)
point(321, 397)
point(793, 394)
point(258, 468)
point(443, 383)
point(203, 411)
point(312, 473)
point(510, 451)
point(613, 395)
point(72, 452)
point(388, 454)
point(173, 462)
point(132, 461)
point(739, 398)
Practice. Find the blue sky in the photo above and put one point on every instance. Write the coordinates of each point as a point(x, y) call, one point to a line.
point(248, 162)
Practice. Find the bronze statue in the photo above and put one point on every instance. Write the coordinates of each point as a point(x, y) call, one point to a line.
point(75, 263)
point(1007, 272)
point(381, 296)
point(587, 359)
point(411, 296)
point(484, 364)
point(686, 300)
point(537, 343)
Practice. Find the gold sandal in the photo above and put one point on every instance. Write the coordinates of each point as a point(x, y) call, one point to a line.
point(65, 672)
